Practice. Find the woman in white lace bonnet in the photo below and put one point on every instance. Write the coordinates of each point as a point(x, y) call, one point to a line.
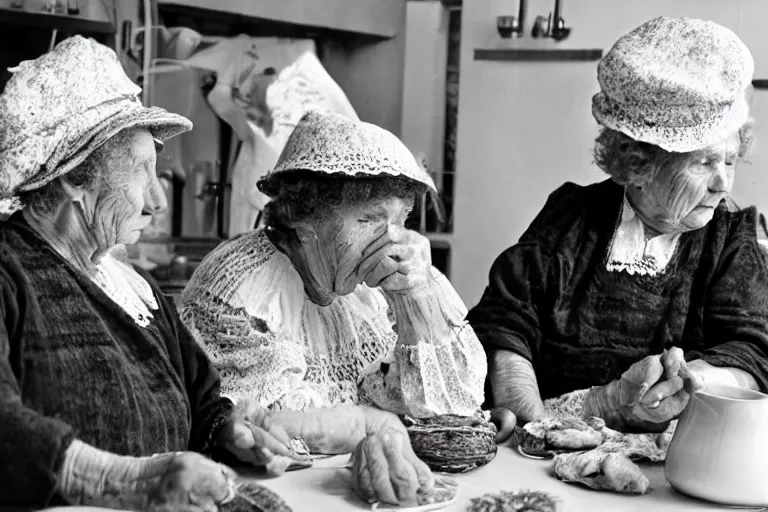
point(335, 302)
point(105, 397)
point(641, 288)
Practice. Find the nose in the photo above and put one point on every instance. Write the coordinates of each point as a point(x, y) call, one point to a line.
point(722, 179)
point(154, 198)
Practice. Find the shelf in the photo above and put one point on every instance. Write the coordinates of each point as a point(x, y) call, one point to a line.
point(538, 55)
point(379, 18)
point(63, 22)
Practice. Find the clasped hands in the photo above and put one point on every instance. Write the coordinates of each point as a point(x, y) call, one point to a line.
point(398, 261)
point(650, 394)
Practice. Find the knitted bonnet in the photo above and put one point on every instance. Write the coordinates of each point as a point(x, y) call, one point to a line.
point(333, 143)
point(677, 83)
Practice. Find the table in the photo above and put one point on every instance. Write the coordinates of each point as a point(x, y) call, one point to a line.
point(327, 488)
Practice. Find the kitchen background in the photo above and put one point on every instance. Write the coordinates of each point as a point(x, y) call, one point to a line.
point(501, 122)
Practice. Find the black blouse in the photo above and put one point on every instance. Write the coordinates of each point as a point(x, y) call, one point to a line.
point(74, 364)
point(551, 299)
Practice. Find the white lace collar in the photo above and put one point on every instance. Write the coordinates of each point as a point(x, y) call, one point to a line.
point(630, 252)
point(121, 283)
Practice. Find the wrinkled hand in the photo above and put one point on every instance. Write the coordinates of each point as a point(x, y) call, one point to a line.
point(505, 421)
point(255, 439)
point(194, 482)
point(398, 261)
point(656, 389)
point(386, 470)
point(664, 399)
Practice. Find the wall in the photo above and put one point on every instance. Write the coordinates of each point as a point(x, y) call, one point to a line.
point(525, 128)
point(426, 60)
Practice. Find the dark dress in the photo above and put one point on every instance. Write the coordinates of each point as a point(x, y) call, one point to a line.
point(74, 364)
point(551, 299)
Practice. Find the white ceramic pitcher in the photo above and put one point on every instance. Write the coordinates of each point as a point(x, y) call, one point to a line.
point(719, 451)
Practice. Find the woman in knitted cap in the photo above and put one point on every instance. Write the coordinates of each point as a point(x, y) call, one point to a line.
point(335, 302)
point(97, 372)
point(637, 289)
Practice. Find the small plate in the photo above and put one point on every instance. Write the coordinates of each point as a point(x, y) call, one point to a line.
point(548, 456)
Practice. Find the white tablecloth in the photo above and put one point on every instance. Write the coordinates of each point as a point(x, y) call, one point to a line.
point(329, 489)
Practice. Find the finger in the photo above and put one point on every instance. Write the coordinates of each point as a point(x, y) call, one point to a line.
point(385, 268)
point(671, 360)
point(369, 263)
point(378, 467)
point(644, 374)
point(693, 381)
point(361, 478)
point(404, 479)
point(276, 430)
point(666, 410)
point(402, 474)
point(423, 473)
point(377, 245)
point(505, 422)
point(662, 390)
point(397, 283)
point(265, 440)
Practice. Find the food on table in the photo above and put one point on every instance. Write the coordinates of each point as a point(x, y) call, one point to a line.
point(246, 497)
point(601, 470)
point(636, 447)
point(587, 451)
point(252, 497)
point(443, 492)
point(519, 501)
point(452, 444)
point(550, 436)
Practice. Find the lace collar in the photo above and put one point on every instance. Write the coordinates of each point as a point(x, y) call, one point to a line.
point(629, 250)
point(121, 283)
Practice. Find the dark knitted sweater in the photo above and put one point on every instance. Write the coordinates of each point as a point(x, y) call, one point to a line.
point(74, 364)
point(551, 299)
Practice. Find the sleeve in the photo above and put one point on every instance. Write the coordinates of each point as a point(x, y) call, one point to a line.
point(32, 446)
point(506, 318)
point(254, 363)
point(736, 309)
point(210, 410)
point(437, 366)
point(520, 279)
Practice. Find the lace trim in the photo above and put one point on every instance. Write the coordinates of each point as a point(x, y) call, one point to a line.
point(121, 283)
point(320, 352)
point(630, 252)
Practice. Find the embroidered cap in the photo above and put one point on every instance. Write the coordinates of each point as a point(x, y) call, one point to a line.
point(677, 83)
point(333, 143)
point(57, 109)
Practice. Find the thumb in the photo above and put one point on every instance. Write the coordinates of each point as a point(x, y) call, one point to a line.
point(644, 374)
point(505, 421)
point(241, 436)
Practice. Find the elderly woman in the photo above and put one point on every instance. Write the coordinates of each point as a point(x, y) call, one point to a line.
point(104, 395)
point(335, 302)
point(637, 289)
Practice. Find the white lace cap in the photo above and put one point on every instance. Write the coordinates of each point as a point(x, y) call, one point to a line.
point(677, 83)
point(333, 143)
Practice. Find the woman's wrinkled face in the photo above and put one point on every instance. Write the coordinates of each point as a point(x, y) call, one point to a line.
point(129, 192)
point(685, 198)
point(332, 249)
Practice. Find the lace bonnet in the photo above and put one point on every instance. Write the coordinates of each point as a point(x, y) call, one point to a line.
point(59, 108)
point(677, 83)
point(333, 143)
